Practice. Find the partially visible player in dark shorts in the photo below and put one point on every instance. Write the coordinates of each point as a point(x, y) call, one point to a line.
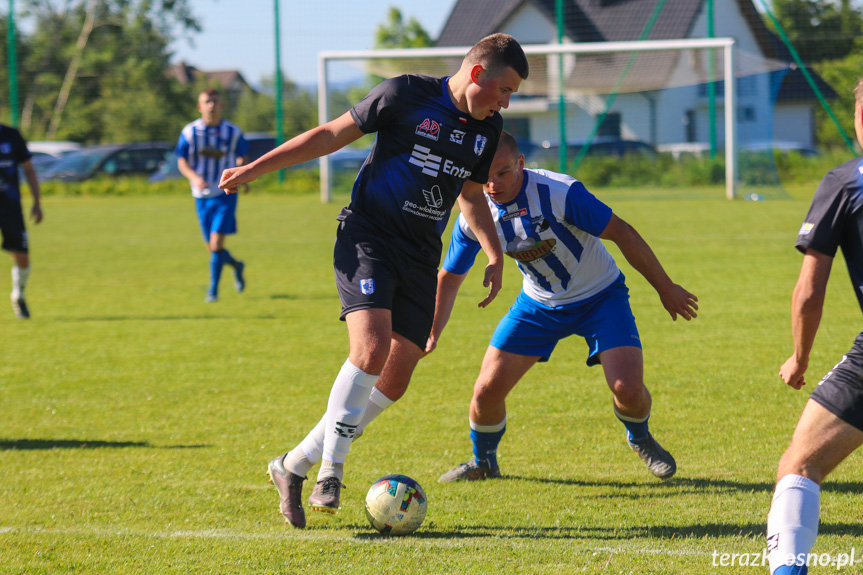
point(831, 426)
point(14, 154)
point(841, 391)
point(12, 226)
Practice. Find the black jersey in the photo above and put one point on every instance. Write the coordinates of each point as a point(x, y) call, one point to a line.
point(835, 220)
point(424, 151)
point(13, 151)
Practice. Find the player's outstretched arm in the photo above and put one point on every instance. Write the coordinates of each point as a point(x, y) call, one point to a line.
point(807, 304)
point(317, 142)
point(473, 205)
point(448, 285)
point(676, 300)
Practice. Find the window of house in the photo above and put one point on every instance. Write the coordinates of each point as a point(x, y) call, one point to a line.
point(610, 126)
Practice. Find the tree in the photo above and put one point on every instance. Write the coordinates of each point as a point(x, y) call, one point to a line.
point(820, 29)
point(396, 33)
point(842, 75)
point(94, 70)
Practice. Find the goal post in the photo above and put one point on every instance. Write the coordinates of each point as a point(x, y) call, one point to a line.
point(596, 57)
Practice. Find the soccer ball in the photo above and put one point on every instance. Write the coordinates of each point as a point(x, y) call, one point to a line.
point(396, 505)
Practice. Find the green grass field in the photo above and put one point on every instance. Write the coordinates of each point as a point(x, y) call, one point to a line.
point(136, 421)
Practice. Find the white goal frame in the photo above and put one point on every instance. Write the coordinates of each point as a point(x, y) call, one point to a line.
point(727, 45)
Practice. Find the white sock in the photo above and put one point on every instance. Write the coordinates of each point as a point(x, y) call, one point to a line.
point(378, 402)
point(331, 469)
point(792, 524)
point(348, 399)
point(303, 457)
point(19, 281)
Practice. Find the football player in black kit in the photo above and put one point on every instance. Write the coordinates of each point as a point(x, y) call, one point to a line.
point(436, 138)
point(831, 425)
point(14, 154)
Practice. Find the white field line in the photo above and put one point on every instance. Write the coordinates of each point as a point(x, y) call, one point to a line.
point(312, 535)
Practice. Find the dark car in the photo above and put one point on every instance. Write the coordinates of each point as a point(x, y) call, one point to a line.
point(547, 155)
point(108, 160)
point(349, 159)
point(259, 144)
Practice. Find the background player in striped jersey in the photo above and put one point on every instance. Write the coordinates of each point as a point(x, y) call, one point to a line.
point(207, 147)
point(435, 141)
point(551, 225)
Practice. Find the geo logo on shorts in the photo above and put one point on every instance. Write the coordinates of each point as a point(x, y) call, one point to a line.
point(367, 286)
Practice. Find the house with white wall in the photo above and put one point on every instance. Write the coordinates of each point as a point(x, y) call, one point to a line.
point(660, 98)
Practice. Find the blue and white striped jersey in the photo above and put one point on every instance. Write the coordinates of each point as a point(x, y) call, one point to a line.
point(551, 230)
point(210, 150)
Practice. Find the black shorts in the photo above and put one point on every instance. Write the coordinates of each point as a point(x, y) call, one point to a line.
point(12, 226)
point(373, 275)
point(841, 391)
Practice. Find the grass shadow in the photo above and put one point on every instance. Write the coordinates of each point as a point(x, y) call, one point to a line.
point(41, 444)
point(697, 531)
point(160, 318)
point(293, 296)
point(682, 484)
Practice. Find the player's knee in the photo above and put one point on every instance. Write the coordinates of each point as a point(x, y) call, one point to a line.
point(485, 393)
point(629, 392)
point(371, 358)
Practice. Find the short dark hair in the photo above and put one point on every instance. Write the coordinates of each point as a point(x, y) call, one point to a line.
point(497, 52)
point(508, 141)
point(211, 93)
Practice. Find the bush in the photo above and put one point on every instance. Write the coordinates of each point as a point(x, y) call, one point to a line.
point(296, 182)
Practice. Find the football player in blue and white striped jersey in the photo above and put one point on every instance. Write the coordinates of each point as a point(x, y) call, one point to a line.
point(206, 148)
point(552, 226)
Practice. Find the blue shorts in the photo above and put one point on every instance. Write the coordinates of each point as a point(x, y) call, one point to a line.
point(605, 321)
point(217, 215)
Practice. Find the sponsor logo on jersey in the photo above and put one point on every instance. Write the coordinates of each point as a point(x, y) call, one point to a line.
point(541, 225)
point(457, 136)
point(367, 286)
point(422, 157)
point(211, 152)
point(805, 229)
point(429, 129)
point(433, 197)
point(528, 249)
point(431, 164)
point(6, 148)
point(513, 215)
point(479, 145)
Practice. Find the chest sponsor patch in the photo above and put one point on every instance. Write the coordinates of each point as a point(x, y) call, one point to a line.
point(428, 129)
point(528, 250)
point(512, 215)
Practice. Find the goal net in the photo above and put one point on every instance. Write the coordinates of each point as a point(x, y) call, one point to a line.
point(669, 102)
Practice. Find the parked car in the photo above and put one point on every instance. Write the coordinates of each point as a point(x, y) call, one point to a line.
point(548, 155)
point(108, 160)
point(45, 154)
point(259, 144)
point(349, 159)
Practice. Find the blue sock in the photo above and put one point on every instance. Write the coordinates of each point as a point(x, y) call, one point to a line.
point(216, 264)
point(227, 258)
point(635, 430)
point(791, 570)
point(485, 445)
